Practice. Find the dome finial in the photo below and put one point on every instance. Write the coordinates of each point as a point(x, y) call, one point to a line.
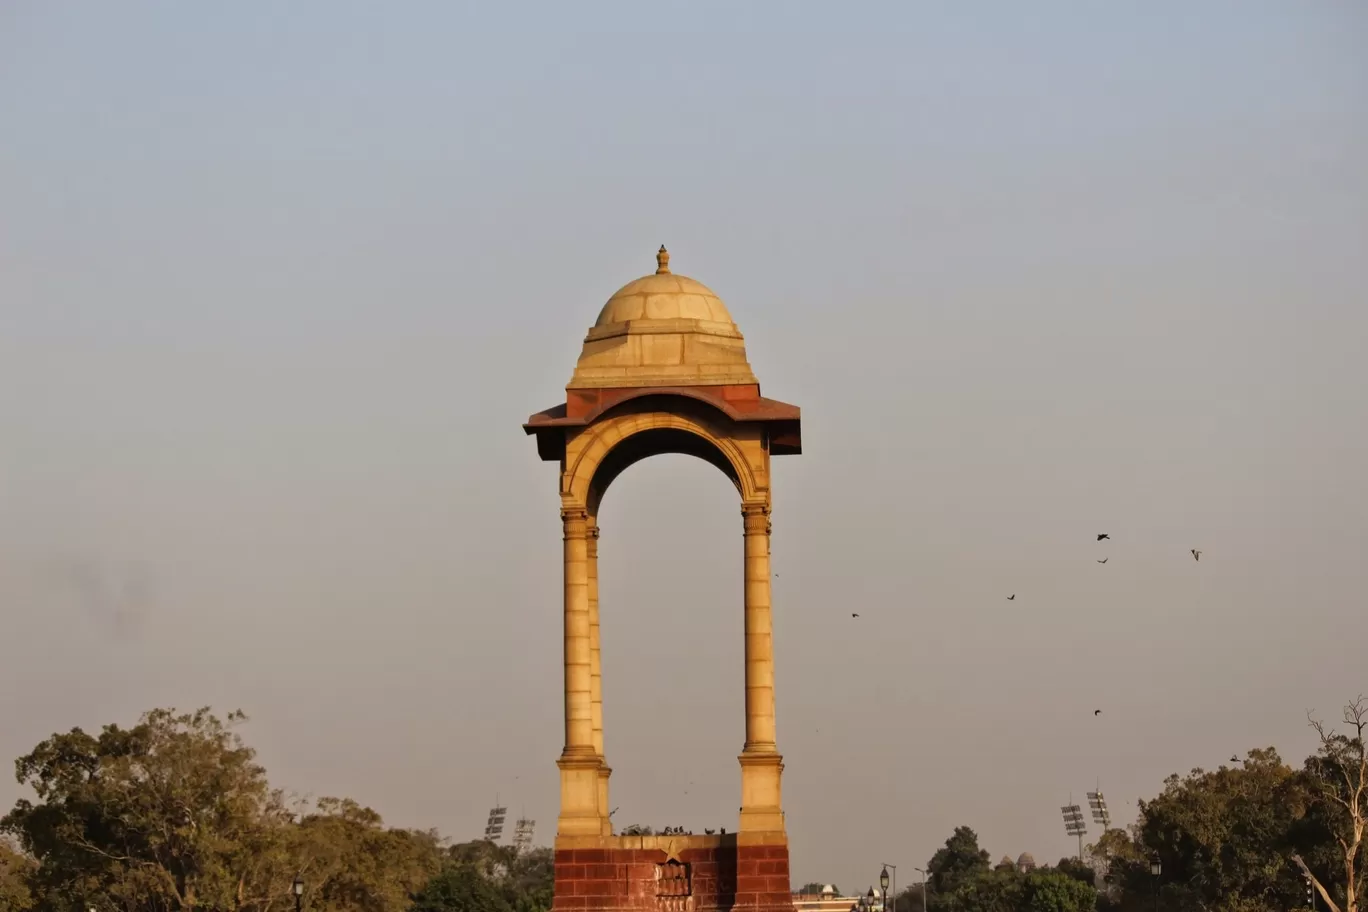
point(662, 261)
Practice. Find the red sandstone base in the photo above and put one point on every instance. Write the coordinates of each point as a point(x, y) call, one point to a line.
point(673, 874)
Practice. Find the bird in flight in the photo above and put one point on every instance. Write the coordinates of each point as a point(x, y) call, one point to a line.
point(1104, 560)
point(1097, 712)
point(853, 614)
point(1196, 555)
point(1011, 597)
point(1102, 535)
point(1234, 758)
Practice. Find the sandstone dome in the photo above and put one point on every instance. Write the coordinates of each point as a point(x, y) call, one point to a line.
point(663, 330)
point(664, 296)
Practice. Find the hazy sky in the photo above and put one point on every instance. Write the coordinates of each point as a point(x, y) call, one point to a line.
point(279, 282)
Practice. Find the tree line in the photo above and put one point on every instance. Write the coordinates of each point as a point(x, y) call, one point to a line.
point(1257, 835)
point(175, 815)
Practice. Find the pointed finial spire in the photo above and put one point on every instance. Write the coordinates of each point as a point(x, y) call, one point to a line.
point(662, 261)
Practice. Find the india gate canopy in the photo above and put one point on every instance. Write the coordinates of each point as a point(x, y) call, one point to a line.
point(664, 370)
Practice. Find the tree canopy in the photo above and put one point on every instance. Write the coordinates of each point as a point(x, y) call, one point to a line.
point(175, 815)
point(962, 879)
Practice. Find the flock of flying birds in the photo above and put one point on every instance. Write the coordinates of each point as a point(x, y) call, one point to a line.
point(1101, 536)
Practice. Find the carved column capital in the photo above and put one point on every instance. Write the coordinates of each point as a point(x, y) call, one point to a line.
point(755, 517)
point(575, 522)
point(593, 536)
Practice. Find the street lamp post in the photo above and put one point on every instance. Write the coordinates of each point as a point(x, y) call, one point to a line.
point(883, 885)
point(1156, 868)
point(298, 889)
point(922, 872)
point(869, 899)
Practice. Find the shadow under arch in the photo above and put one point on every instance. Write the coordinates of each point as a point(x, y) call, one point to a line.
point(656, 424)
point(655, 442)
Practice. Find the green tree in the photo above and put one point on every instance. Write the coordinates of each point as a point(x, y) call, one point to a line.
point(531, 880)
point(958, 861)
point(1056, 891)
point(1121, 860)
point(1338, 778)
point(910, 900)
point(1224, 837)
point(460, 888)
point(16, 873)
point(175, 815)
point(350, 861)
point(814, 888)
point(525, 880)
point(983, 890)
point(488, 858)
point(1078, 870)
point(164, 816)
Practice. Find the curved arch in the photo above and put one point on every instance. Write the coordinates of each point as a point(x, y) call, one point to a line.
point(644, 445)
point(630, 436)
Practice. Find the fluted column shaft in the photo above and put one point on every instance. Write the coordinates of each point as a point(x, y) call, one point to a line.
point(580, 814)
point(579, 721)
point(761, 766)
point(759, 646)
point(596, 680)
point(595, 666)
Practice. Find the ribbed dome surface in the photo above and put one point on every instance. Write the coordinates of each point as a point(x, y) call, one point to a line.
point(663, 330)
point(663, 297)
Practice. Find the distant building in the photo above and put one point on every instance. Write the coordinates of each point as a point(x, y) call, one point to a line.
point(828, 901)
point(1026, 863)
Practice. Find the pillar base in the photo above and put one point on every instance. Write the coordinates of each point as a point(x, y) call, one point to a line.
point(579, 782)
point(761, 793)
point(731, 873)
point(604, 810)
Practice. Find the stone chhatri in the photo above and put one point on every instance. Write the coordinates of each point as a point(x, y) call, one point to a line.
point(662, 330)
point(664, 370)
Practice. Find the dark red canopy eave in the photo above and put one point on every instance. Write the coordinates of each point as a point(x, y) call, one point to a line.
point(784, 421)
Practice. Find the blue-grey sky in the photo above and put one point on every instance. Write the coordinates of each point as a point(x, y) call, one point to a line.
point(279, 282)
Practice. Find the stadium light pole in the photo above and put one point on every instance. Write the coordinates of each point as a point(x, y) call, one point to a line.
point(1100, 815)
point(1074, 825)
point(922, 872)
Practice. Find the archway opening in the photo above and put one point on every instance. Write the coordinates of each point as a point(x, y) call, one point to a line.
point(655, 442)
point(672, 634)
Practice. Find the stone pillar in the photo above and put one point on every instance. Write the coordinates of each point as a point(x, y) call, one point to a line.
point(579, 762)
point(761, 763)
point(596, 676)
point(595, 668)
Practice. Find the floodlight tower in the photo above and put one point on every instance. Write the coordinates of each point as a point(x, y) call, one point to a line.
point(1074, 824)
point(522, 834)
point(1100, 815)
point(494, 827)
